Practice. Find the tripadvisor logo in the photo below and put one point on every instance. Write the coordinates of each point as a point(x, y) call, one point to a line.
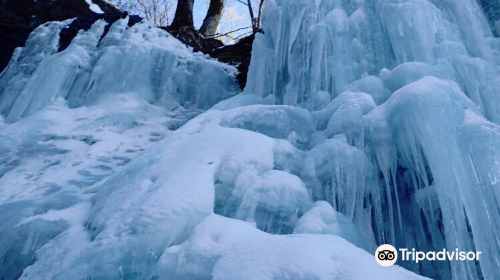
point(387, 255)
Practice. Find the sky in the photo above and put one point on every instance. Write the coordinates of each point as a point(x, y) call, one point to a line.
point(239, 13)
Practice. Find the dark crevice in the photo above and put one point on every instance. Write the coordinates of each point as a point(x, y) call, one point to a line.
point(85, 23)
point(492, 11)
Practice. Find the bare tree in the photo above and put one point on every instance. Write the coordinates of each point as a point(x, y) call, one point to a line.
point(159, 12)
point(125, 5)
point(231, 25)
point(183, 14)
point(259, 17)
point(222, 20)
point(256, 20)
point(213, 17)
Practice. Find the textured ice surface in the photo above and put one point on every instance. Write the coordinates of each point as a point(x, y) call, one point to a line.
point(424, 185)
point(130, 225)
point(141, 61)
point(311, 48)
point(363, 123)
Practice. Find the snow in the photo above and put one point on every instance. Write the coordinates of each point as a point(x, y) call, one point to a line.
point(222, 248)
point(94, 8)
point(162, 191)
point(363, 123)
point(323, 219)
point(55, 158)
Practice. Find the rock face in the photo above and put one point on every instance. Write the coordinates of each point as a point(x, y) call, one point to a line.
point(238, 55)
point(193, 38)
point(18, 18)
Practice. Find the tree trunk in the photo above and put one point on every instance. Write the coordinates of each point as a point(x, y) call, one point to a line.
point(212, 19)
point(183, 14)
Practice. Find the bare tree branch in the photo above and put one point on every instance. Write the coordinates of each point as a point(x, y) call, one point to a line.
point(252, 17)
point(158, 12)
point(227, 33)
point(259, 17)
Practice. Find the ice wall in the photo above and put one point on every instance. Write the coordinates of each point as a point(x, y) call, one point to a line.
point(310, 48)
point(432, 67)
point(141, 60)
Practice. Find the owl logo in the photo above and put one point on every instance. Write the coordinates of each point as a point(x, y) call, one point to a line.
point(386, 255)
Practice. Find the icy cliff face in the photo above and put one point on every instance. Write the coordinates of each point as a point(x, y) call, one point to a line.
point(140, 61)
point(311, 48)
point(433, 143)
point(363, 123)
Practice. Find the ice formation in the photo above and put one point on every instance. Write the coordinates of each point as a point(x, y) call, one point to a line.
point(138, 61)
point(439, 59)
point(128, 156)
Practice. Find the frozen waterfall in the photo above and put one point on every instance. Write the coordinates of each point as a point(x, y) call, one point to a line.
point(433, 142)
point(129, 156)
